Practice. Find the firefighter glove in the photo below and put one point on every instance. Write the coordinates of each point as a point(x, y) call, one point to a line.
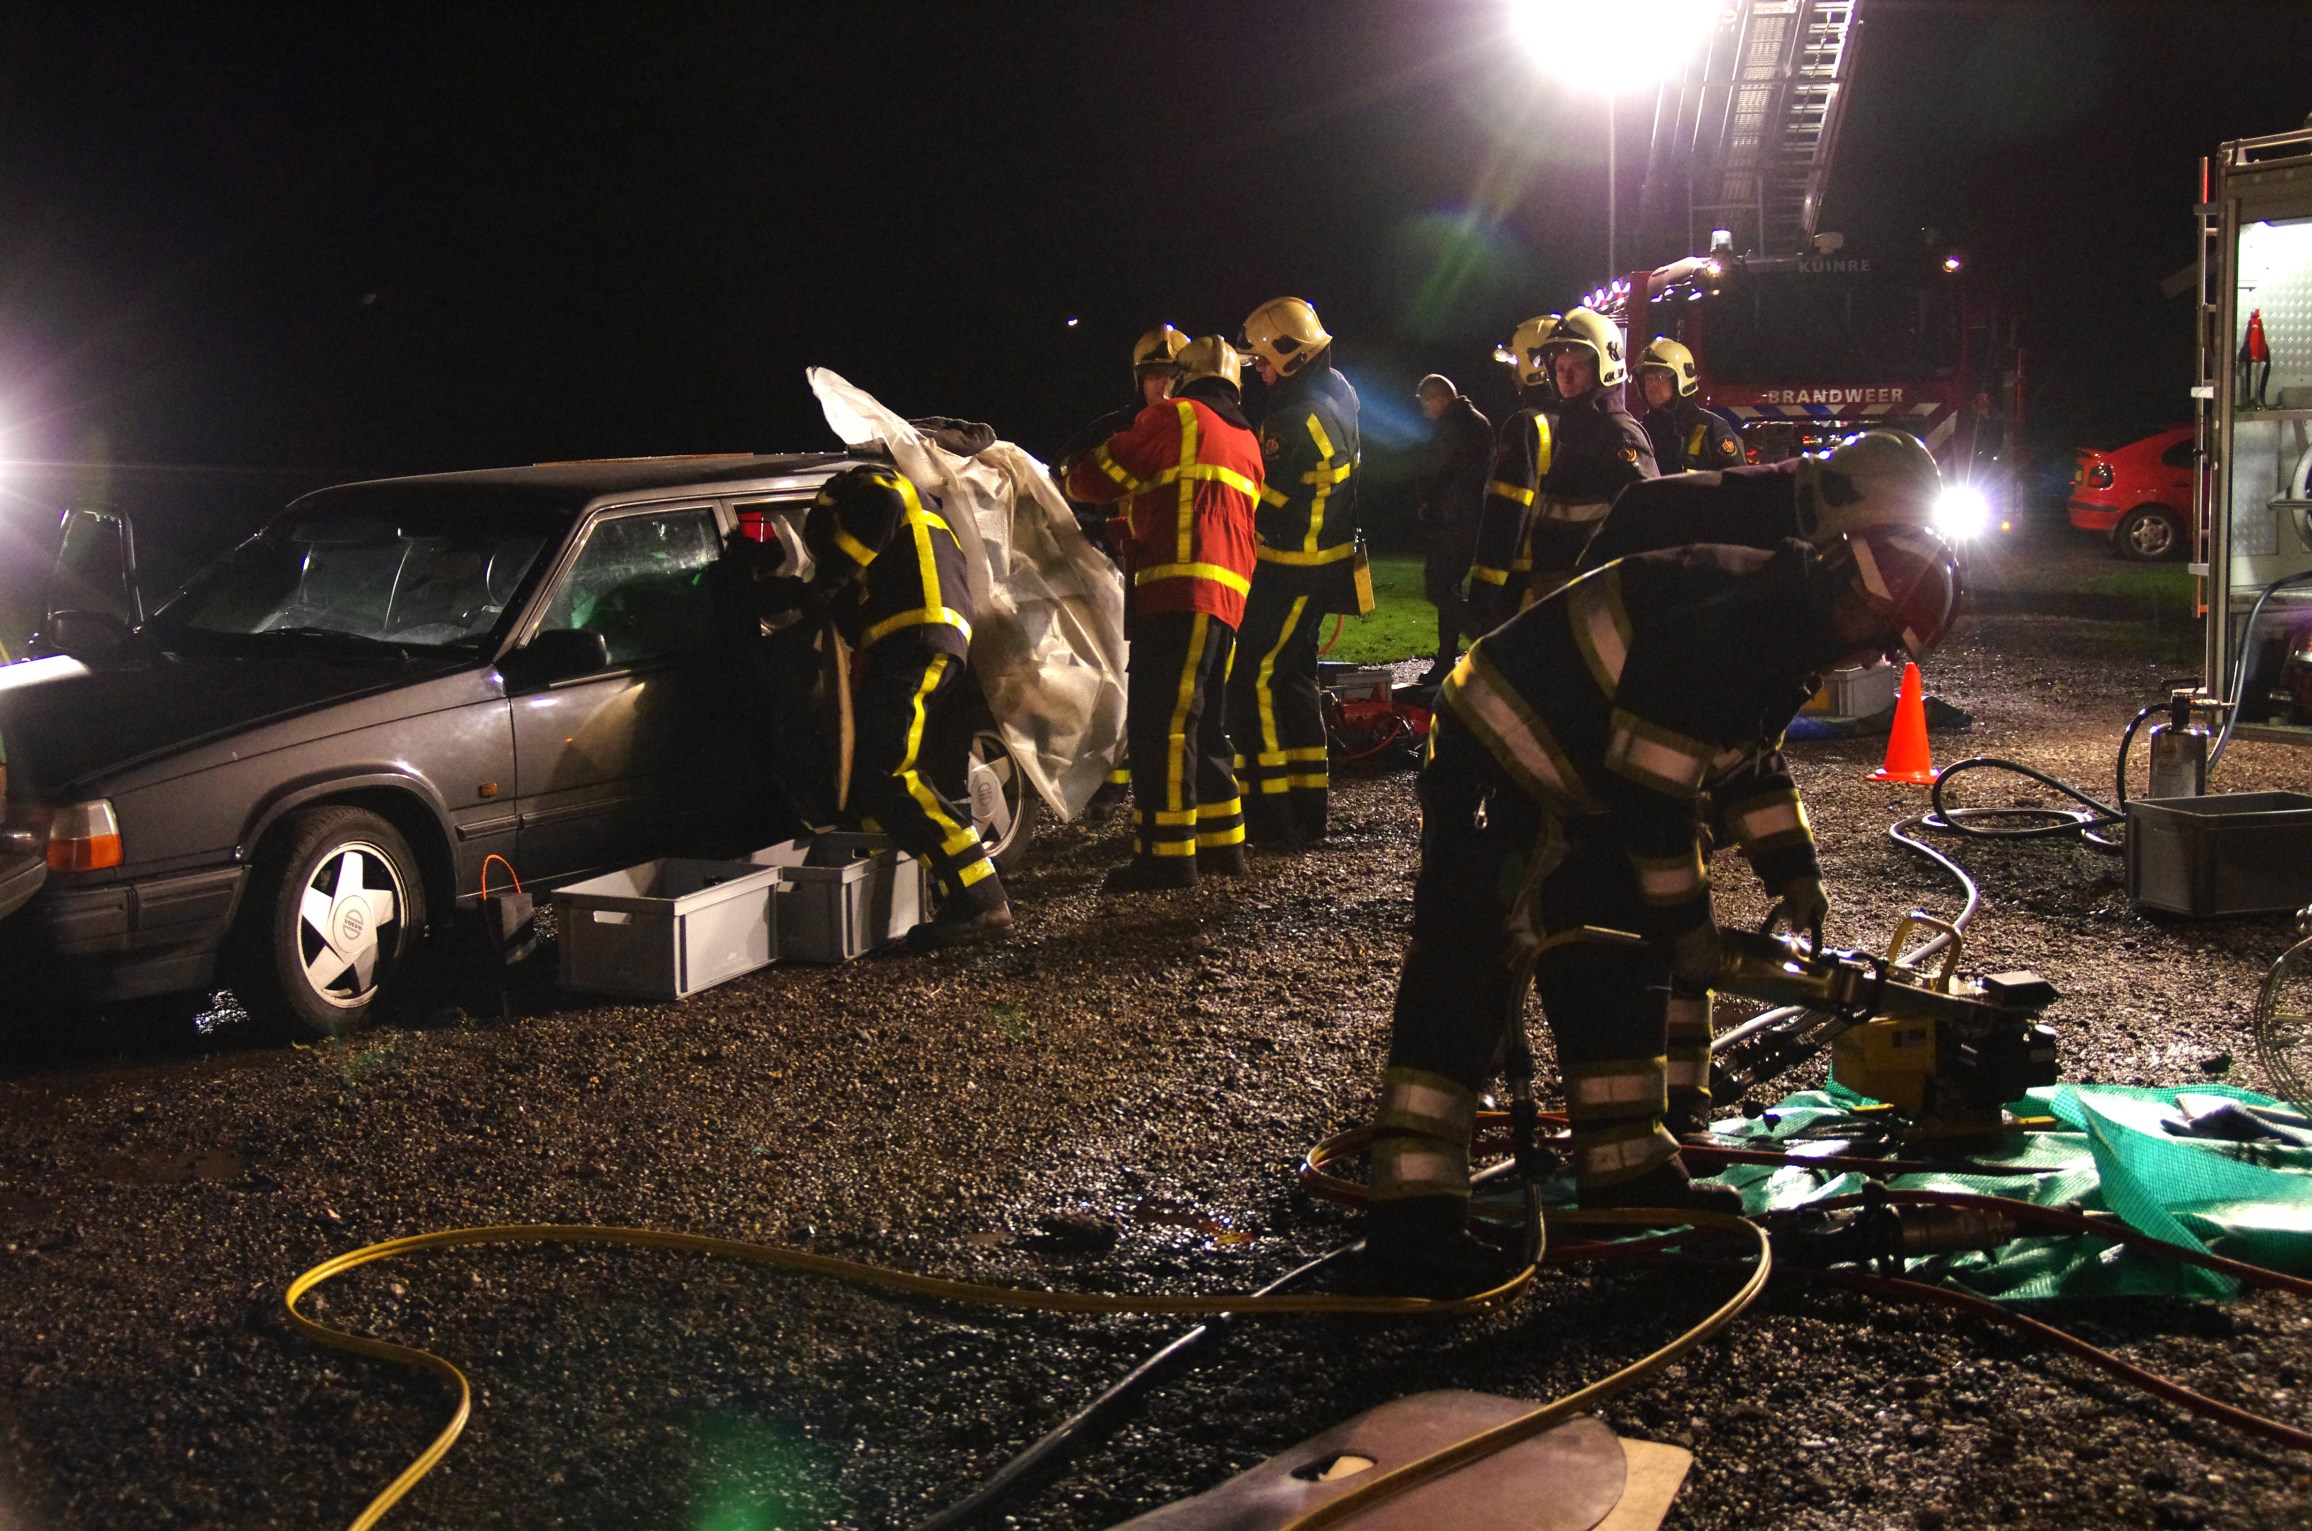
point(1804, 906)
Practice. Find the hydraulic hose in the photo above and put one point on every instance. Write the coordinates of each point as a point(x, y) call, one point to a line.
point(2028, 823)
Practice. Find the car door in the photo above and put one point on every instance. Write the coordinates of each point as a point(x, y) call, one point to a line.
point(614, 766)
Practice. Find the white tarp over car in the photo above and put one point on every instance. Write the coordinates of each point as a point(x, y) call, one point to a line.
point(1047, 640)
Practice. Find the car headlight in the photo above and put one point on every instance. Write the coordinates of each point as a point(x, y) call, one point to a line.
point(1962, 512)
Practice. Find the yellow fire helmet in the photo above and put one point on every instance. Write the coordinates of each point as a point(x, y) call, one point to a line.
point(1593, 332)
point(1209, 356)
point(1676, 359)
point(1523, 352)
point(1285, 333)
point(1881, 477)
point(1157, 350)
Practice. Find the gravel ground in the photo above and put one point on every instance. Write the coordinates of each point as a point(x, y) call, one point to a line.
point(1115, 1101)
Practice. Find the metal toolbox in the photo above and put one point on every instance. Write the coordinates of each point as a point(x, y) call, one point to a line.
point(843, 895)
point(1861, 693)
point(2226, 853)
point(667, 928)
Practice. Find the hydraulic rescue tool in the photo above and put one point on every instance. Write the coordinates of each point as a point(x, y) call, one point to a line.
point(1946, 1051)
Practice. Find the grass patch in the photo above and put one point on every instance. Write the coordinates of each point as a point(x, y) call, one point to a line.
point(1402, 624)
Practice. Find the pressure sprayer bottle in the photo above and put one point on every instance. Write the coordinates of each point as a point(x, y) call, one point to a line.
point(2179, 752)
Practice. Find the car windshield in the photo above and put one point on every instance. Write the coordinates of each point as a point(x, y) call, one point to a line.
point(416, 568)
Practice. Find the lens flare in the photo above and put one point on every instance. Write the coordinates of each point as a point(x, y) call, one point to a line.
point(1962, 512)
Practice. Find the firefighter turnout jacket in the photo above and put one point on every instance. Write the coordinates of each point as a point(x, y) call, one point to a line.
point(1751, 507)
point(870, 531)
point(1307, 522)
point(1190, 474)
point(1646, 683)
point(1687, 438)
point(1597, 450)
point(1521, 459)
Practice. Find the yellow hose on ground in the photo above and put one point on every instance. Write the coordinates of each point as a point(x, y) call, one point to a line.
point(786, 1258)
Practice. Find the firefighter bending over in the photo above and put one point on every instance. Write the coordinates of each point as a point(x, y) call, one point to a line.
point(1521, 455)
point(1879, 478)
point(1309, 566)
point(891, 571)
point(1686, 436)
point(1561, 836)
point(1189, 471)
point(1450, 495)
point(1597, 449)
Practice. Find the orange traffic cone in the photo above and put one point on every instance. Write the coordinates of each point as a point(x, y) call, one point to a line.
point(1909, 758)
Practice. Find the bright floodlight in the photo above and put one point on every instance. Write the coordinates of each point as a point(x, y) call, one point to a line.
point(1612, 47)
point(1961, 513)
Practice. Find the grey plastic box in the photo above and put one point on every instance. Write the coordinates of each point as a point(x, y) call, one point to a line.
point(1856, 693)
point(667, 928)
point(2226, 853)
point(843, 895)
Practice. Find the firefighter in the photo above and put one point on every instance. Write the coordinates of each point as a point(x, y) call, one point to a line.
point(1596, 451)
point(1189, 470)
point(1152, 358)
point(891, 572)
point(1521, 456)
point(1310, 564)
point(1879, 478)
point(1685, 435)
point(1561, 837)
point(1449, 496)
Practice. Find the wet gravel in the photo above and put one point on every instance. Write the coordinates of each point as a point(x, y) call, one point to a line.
point(1115, 1101)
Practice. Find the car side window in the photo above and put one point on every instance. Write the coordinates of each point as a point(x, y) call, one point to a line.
point(642, 583)
point(2178, 456)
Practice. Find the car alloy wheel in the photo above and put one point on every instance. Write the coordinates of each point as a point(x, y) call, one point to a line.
point(333, 914)
point(2148, 535)
point(1004, 807)
point(349, 923)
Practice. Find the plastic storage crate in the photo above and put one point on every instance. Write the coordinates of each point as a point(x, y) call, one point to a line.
point(1357, 682)
point(1859, 693)
point(2226, 853)
point(843, 895)
point(667, 928)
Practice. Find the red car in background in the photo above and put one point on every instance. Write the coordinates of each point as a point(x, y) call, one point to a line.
point(2139, 495)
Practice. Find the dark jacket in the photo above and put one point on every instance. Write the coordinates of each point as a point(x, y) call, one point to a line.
point(897, 559)
point(1451, 485)
point(1755, 507)
point(1641, 686)
point(1688, 438)
point(1308, 509)
point(1597, 451)
point(1521, 457)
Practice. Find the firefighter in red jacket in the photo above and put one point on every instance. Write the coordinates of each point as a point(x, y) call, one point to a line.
point(1189, 471)
point(1521, 455)
point(1561, 834)
point(890, 569)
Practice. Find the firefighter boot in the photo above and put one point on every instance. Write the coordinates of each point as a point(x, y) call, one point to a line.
point(979, 912)
point(1152, 874)
point(1665, 1185)
point(1220, 860)
point(1421, 1246)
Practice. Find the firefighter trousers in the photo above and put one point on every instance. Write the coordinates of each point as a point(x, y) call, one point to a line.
point(1183, 791)
point(1277, 718)
point(901, 692)
point(1458, 993)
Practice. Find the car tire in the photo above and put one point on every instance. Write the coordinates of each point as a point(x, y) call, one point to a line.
point(333, 916)
point(1005, 806)
point(2149, 534)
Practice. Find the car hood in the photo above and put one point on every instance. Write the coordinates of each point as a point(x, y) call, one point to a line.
point(65, 723)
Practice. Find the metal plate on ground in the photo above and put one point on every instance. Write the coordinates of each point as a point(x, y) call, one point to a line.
point(1569, 1478)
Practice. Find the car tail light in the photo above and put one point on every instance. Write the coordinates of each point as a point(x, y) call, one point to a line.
point(2099, 476)
point(757, 526)
point(84, 837)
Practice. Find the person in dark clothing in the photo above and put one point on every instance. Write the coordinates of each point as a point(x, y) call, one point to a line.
point(1880, 478)
point(1596, 451)
point(890, 571)
point(1449, 496)
point(1561, 839)
point(1521, 453)
point(1310, 564)
point(1686, 436)
point(1189, 473)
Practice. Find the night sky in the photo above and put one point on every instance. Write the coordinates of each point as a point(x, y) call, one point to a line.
point(343, 240)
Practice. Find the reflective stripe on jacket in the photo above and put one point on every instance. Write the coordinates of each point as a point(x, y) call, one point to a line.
point(1190, 480)
point(903, 563)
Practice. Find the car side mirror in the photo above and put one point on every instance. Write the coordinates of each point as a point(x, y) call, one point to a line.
point(82, 635)
point(559, 653)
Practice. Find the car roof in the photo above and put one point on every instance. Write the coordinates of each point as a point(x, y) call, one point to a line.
point(576, 484)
